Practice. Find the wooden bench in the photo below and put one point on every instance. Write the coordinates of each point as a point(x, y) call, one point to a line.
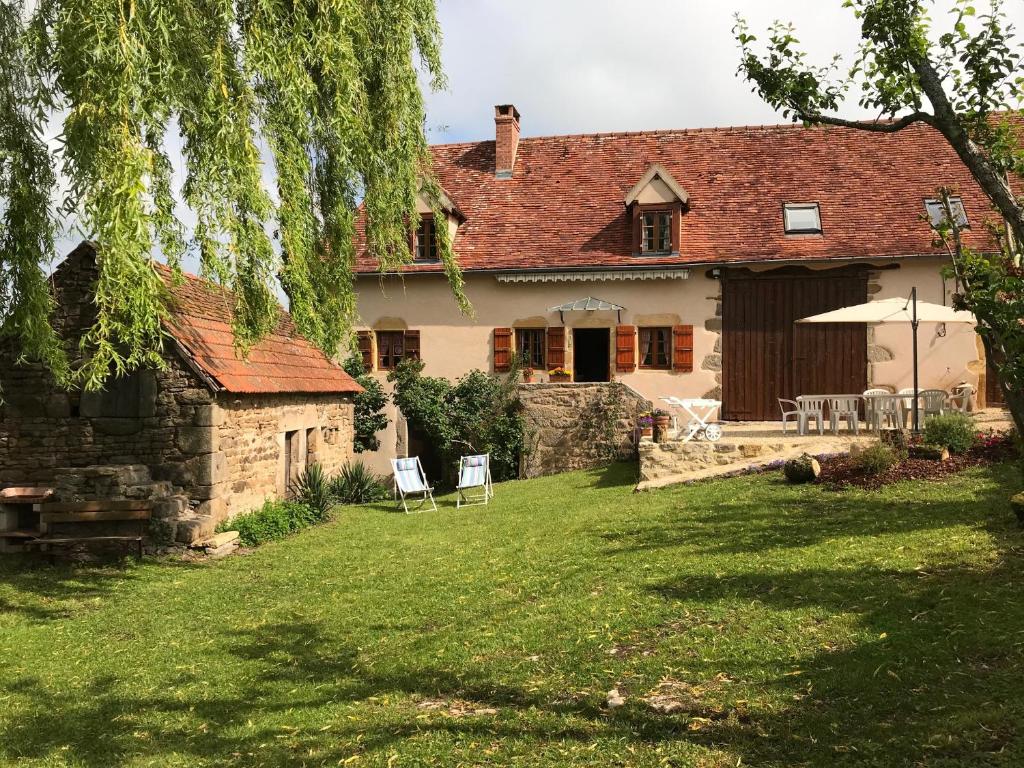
point(90, 512)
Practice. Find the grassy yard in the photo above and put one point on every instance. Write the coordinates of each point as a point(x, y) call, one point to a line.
point(794, 627)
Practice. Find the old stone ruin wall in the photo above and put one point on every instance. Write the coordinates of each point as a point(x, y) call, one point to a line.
point(260, 438)
point(578, 426)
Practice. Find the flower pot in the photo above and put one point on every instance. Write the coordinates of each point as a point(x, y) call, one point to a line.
point(661, 425)
point(646, 431)
point(560, 377)
point(528, 378)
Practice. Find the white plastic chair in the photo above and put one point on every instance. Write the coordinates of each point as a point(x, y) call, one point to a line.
point(907, 402)
point(960, 399)
point(795, 413)
point(846, 407)
point(411, 480)
point(811, 407)
point(869, 403)
point(474, 472)
point(933, 402)
point(887, 409)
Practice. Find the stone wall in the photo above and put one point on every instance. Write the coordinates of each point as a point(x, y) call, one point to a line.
point(249, 459)
point(578, 426)
point(200, 457)
point(151, 418)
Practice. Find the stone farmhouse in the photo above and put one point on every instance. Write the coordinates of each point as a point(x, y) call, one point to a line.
point(676, 262)
point(206, 437)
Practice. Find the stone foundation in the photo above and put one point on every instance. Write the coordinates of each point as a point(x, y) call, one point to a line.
point(578, 426)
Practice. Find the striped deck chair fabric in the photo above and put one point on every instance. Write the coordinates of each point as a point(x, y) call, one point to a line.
point(474, 472)
point(411, 480)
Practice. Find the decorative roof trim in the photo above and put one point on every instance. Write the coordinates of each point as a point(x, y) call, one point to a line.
point(657, 170)
point(592, 277)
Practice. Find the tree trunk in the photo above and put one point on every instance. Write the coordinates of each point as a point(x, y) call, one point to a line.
point(1014, 400)
point(987, 174)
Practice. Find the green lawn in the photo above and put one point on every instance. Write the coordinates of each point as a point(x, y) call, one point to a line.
point(797, 626)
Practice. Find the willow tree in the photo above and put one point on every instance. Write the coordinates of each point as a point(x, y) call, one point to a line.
point(277, 117)
point(965, 81)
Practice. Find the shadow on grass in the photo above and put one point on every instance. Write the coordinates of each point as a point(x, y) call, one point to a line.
point(783, 516)
point(40, 592)
point(931, 678)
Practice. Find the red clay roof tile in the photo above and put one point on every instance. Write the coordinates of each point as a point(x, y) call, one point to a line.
point(564, 207)
point(282, 362)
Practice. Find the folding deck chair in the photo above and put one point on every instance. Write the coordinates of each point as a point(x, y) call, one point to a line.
point(410, 480)
point(474, 472)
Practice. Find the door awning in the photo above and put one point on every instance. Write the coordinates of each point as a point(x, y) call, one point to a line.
point(589, 304)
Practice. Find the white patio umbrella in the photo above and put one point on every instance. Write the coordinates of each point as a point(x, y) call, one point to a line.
point(908, 310)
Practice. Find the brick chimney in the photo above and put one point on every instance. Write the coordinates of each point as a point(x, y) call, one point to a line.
point(506, 140)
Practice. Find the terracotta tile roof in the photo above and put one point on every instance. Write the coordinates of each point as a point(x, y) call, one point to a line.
point(282, 362)
point(564, 207)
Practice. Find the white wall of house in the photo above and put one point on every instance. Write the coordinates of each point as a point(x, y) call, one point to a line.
point(452, 344)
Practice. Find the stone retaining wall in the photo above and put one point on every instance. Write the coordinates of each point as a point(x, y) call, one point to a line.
point(578, 426)
point(659, 461)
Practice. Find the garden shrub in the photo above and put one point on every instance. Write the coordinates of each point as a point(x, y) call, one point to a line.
point(369, 417)
point(313, 489)
point(356, 484)
point(876, 459)
point(955, 431)
point(274, 520)
point(478, 414)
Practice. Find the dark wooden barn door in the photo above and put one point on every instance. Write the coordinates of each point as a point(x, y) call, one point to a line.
point(765, 356)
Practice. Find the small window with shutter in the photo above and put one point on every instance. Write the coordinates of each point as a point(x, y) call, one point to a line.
point(655, 348)
point(530, 347)
point(395, 346)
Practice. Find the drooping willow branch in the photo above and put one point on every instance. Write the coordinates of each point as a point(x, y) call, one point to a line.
point(287, 114)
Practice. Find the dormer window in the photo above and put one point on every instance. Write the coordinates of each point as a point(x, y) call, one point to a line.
point(937, 212)
point(656, 204)
point(802, 218)
point(656, 232)
point(425, 244)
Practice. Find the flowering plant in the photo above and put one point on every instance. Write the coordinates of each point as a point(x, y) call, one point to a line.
point(560, 371)
point(646, 421)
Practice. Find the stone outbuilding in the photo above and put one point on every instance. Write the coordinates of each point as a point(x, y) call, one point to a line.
point(206, 437)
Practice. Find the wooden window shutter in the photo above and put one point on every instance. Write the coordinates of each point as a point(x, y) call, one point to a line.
point(625, 348)
point(502, 350)
point(556, 347)
point(365, 340)
point(682, 347)
point(412, 345)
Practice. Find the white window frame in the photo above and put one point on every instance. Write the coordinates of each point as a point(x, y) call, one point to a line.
point(790, 230)
point(955, 202)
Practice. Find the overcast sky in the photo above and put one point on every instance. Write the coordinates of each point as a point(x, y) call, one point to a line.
point(580, 66)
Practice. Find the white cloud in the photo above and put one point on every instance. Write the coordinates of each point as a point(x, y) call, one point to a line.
point(578, 66)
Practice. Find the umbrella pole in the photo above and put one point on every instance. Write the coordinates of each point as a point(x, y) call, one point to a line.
point(914, 324)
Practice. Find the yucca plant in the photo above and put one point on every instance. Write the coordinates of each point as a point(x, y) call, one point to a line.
point(313, 489)
point(356, 484)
